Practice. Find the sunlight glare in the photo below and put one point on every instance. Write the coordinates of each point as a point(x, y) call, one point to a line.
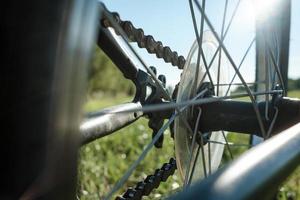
point(265, 8)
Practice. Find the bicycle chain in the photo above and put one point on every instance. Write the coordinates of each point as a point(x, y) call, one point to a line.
point(137, 35)
point(146, 41)
point(151, 182)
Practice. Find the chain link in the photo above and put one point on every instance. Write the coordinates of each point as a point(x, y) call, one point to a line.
point(146, 41)
point(151, 182)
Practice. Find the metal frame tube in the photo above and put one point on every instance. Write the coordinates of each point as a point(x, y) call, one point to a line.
point(107, 121)
point(255, 175)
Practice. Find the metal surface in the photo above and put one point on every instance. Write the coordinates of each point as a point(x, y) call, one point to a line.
point(114, 51)
point(101, 124)
point(237, 116)
point(255, 175)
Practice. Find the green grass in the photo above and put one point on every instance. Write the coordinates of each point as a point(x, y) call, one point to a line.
point(294, 93)
point(291, 187)
point(103, 162)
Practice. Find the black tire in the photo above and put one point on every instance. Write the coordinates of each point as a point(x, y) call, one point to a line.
point(46, 48)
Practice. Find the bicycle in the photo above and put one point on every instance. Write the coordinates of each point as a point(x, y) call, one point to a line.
point(197, 103)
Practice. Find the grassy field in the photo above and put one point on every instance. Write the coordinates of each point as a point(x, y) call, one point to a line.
point(104, 161)
point(291, 187)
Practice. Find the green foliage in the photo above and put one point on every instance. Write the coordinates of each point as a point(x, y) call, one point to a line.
point(294, 84)
point(105, 77)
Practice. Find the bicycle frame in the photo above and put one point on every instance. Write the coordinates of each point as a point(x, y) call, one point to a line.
point(257, 174)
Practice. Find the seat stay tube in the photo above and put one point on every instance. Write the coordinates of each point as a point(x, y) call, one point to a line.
point(114, 51)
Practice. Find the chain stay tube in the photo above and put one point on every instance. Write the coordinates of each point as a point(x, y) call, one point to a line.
point(113, 50)
point(238, 116)
point(104, 122)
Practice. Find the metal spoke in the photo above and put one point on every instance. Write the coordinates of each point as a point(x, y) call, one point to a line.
point(272, 123)
point(267, 86)
point(220, 51)
point(225, 34)
point(200, 37)
point(203, 154)
point(194, 165)
point(227, 145)
point(235, 68)
point(273, 79)
point(192, 150)
point(248, 83)
point(240, 65)
point(230, 144)
point(276, 67)
point(199, 45)
point(194, 101)
point(209, 158)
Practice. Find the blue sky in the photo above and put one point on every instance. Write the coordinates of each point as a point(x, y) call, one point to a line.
point(170, 22)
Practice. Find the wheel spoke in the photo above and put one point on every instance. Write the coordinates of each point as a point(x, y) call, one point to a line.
point(186, 179)
point(194, 101)
point(225, 34)
point(276, 67)
point(240, 65)
point(199, 39)
point(230, 144)
point(203, 154)
point(272, 123)
point(227, 145)
point(235, 68)
point(209, 158)
point(267, 87)
point(248, 83)
point(194, 165)
point(220, 51)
